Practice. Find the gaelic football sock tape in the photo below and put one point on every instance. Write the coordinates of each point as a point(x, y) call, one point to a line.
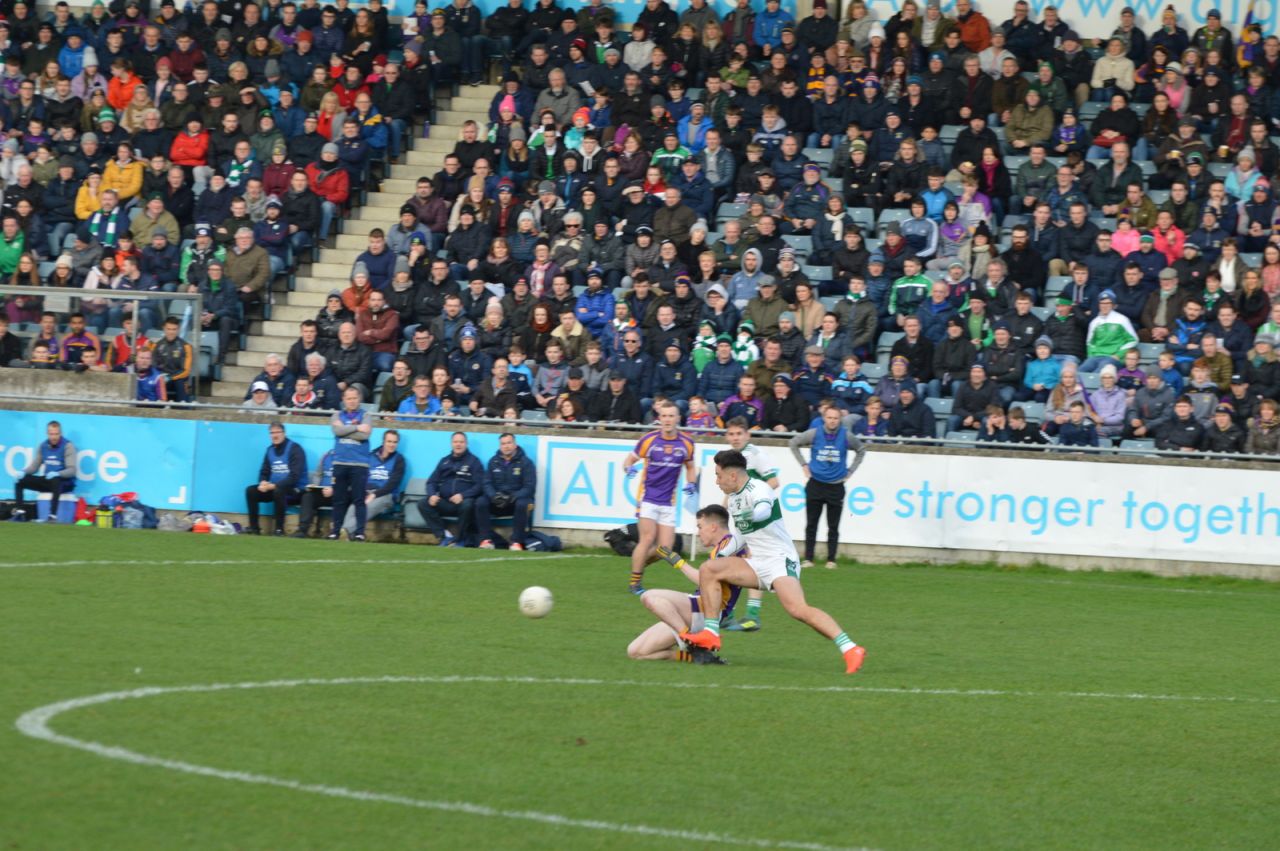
point(753, 607)
point(844, 643)
point(713, 626)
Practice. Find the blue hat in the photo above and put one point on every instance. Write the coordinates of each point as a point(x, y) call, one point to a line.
point(468, 330)
point(915, 79)
point(595, 271)
point(937, 54)
point(1108, 295)
point(417, 236)
point(1214, 13)
point(876, 257)
point(204, 230)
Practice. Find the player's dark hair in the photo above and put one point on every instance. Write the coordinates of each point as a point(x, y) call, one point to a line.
point(728, 459)
point(715, 512)
point(738, 422)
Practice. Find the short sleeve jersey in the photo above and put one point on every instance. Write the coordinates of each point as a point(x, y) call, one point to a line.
point(663, 459)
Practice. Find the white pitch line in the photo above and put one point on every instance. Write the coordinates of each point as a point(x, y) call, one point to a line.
point(36, 725)
point(270, 561)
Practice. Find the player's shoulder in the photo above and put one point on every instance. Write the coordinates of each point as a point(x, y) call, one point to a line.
point(646, 440)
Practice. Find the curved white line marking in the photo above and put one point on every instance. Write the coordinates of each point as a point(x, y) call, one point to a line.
point(36, 725)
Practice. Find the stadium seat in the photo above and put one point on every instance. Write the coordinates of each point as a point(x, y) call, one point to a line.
point(817, 274)
point(383, 378)
point(1218, 169)
point(1033, 410)
point(1142, 445)
point(873, 371)
point(822, 156)
point(940, 407)
point(803, 244)
point(415, 492)
point(1014, 161)
point(863, 217)
point(963, 436)
point(887, 216)
point(1042, 313)
point(1158, 196)
point(1055, 285)
point(1253, 261)
point(535, 415)
point(829, 302)
point(887, 339)
point(1090, 380)
point(1150, 351)
point(727, 211)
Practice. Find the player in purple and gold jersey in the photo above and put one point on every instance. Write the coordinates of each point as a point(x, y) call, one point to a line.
point(658, 458)
point(678, 611)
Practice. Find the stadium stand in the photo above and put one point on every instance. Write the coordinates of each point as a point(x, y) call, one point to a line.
point(672, 223)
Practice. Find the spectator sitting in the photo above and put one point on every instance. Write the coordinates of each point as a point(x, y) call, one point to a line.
point(279, 380)
point(1079, 429)
point(509, 487)
point(972, 400)
point(386, 473)
point(911, 417)
point(280, 477)
point(452, 490)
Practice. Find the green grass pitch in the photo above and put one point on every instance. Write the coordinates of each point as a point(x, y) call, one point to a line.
point(997, 708)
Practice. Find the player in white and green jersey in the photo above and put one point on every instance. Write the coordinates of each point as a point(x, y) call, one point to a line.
point(771, 563)
point(738, 434)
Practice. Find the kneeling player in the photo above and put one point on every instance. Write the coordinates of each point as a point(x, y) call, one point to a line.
point(771, 565)
point(678, 612)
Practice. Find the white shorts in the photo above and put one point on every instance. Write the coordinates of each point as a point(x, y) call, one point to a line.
point(768, 569)
point(663, 515)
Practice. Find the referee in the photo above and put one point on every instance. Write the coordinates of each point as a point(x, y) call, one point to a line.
point(826, 472)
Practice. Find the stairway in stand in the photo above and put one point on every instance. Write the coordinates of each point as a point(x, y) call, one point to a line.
point(333, 268)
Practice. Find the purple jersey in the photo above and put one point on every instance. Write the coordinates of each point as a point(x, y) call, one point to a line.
point(663, 460)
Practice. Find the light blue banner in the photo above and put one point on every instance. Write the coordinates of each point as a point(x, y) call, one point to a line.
point(181, 465)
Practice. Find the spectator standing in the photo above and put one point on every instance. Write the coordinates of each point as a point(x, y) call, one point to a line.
point(351, 431)
point(826, 472)
point(382, 490)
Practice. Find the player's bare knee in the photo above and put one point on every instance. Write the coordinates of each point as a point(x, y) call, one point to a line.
point(634, 651)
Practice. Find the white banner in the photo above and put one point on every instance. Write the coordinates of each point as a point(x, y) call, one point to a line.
point(1033, 504)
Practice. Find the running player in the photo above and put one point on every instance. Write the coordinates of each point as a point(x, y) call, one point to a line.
point(663, 453)
point(738, 434)
point(771, 565)
point(678, 611)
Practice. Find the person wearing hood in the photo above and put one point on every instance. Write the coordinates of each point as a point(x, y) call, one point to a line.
point(785, 410)
point(909, 417)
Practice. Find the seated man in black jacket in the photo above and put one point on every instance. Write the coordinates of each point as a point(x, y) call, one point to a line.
point(281, 477)
point(618, 404)
point(785, 410)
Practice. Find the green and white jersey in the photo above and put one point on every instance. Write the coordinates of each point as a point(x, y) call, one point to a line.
point(758, 464)
point(767, 539)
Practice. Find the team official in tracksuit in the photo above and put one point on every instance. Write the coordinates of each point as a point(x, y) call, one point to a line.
point(452, 490)
point(351, 431)
point(386, 472)
point(319, 494)
point(827, 470)
point(57, 456)
point(280, 479)
point(509, 484)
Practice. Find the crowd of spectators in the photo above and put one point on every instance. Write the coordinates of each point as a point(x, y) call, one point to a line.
point(934, 222)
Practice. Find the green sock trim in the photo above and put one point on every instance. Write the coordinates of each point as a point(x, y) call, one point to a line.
point(844, 642)
point(713, 626)
point(753, 607)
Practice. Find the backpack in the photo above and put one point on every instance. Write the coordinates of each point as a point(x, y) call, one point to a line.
point(623, 540)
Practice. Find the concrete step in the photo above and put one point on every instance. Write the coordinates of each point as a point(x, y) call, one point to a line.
point(389, 202)
point(456, 116)
point(235, 374)
point(435, 142)
point(321, 286)
point(399, 187)
point(472, 103)
point(298, 311)
point(266, 344)
point(279, 327)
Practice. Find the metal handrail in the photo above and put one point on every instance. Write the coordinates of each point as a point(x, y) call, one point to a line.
point(394, 419)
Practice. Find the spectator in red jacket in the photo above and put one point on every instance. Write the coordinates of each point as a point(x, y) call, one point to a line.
point(329, 180)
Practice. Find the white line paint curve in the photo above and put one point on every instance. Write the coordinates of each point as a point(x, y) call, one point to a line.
point(37, 724)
